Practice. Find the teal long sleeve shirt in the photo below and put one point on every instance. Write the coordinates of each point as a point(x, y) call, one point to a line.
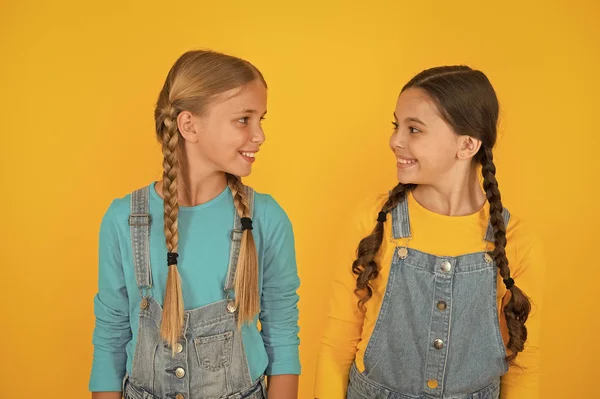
point(204, 243)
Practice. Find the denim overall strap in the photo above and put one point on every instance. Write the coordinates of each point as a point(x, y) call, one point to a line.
point(139, 228)
point(489, 236)
point(236, 240)
point(400, 220)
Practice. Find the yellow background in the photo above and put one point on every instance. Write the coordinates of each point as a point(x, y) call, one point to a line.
point(78, 82)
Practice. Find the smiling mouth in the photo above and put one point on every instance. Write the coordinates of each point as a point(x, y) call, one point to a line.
point(248, 156)
point(406, 161)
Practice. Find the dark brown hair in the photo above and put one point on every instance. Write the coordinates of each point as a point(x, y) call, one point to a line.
point(467, 101)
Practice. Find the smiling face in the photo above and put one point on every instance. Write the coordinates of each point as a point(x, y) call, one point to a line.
point(427, 149)
point(228, 135)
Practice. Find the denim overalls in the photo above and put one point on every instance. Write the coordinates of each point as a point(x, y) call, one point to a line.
point(437, 333)
point(209, 361)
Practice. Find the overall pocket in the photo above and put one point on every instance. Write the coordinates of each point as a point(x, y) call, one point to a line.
point(214, 352)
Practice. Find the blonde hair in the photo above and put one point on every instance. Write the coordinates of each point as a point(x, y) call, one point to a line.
point(192, 83)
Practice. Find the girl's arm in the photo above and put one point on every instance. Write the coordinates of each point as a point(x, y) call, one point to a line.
point(344, 323)
point(523, 379)
point(107, 395)
point(111, 308)
point(283, 386)
point(279, 304)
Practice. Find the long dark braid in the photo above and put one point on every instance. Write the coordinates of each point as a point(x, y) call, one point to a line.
point(365, 266)
point(518, 307)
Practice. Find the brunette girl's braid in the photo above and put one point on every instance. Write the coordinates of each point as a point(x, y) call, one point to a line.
point(365, 266)
point(518, 307)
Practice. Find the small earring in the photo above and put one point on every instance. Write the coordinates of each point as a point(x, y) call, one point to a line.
point(462, 154)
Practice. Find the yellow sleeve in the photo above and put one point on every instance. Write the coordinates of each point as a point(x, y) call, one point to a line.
point(522, 380)
point(345, 321)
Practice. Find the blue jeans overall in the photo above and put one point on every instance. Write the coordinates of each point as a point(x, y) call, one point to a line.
point(437, 334)
point(209, 360)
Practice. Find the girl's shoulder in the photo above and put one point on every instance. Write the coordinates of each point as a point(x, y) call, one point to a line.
point(268, 213)
point(521, 230)
point(524, 244)
point(118, 210)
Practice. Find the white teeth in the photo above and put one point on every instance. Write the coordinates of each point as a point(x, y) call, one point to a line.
point(249, 154)
point(405, 161)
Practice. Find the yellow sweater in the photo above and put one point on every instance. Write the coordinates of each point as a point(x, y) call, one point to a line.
point(348, 330)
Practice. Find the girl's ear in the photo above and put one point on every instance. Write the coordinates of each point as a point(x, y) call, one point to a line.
point(187, 126)
point(468, 147)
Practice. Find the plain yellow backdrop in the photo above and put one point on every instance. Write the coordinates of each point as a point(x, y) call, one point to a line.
point(78, 82)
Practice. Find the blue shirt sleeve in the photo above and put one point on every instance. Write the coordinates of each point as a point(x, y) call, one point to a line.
point(111, 308)
point(279, 302)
